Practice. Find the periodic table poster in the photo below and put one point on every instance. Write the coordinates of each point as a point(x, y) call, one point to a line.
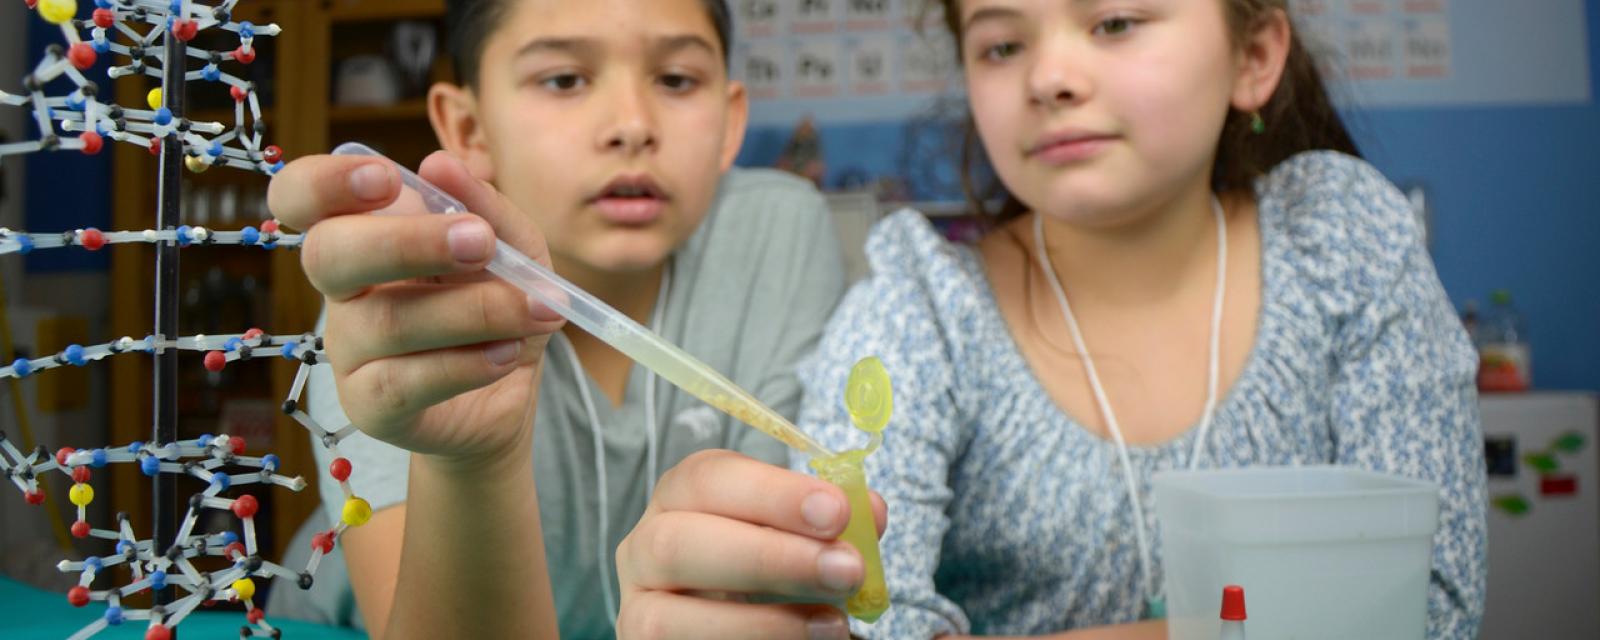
point(841, 60)
point(1432, 53)
point(852, 61)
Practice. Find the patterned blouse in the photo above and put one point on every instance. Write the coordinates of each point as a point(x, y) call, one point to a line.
point(1007, 517)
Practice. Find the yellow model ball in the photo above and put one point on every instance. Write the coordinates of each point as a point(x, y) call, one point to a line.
point(81, 494)
point(868, 395)
point(153, 98)
point(245, 588)
point(195, 164)
point(357, 512)
point(58, 11)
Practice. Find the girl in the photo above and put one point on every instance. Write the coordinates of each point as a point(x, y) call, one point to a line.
point(607, 126)
point(1192, 269)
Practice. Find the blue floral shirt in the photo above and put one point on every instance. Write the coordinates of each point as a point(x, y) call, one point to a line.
point(1007, 517)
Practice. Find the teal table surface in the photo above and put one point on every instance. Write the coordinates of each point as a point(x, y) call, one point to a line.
point(27, 612)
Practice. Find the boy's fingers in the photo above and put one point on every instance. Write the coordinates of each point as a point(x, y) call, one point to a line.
point(662, 615)
point(510, 223)
point(412, 318)
point(732, 485)
point(689, 551)
point(314, 188)
point(343, 256)
point(384, 395)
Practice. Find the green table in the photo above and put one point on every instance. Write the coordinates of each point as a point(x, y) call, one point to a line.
point(27, 612)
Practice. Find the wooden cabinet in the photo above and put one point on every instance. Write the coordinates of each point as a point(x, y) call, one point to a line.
point(227, 290)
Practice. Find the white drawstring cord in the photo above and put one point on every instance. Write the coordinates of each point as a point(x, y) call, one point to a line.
point(1110, 416)
point(603, 544)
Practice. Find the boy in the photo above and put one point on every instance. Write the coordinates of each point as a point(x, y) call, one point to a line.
point(606, 125)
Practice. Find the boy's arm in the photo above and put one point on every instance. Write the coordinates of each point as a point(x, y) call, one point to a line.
point(445, 366)
point(372, 555)
point(460, 568)
point(465, 572)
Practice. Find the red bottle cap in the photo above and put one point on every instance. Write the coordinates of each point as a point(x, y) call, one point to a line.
point(1233, 603)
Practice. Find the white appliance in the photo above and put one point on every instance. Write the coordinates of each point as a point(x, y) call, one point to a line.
point(1544, 516)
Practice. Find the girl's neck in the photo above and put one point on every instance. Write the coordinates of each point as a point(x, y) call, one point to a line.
point(1152, 258)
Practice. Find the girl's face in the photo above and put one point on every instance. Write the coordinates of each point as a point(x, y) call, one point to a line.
point(608, 121)
point(1095, 110)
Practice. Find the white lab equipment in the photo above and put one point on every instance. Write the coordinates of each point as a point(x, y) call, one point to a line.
point(1324, 551)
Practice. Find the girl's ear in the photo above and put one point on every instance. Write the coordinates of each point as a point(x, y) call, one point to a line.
point(734, 128)
point(453, 111)
point(1261, 59)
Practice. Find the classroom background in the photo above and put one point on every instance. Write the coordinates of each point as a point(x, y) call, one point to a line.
point(1483, 111)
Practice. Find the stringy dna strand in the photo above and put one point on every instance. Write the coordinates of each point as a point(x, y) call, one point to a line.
point(208, 459)
point(85, 122)
point(267, 236)
point(80, 121)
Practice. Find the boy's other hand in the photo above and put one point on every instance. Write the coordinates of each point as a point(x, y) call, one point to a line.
point(731, 547)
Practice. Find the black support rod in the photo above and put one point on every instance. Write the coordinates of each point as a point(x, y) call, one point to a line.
point(169, 215)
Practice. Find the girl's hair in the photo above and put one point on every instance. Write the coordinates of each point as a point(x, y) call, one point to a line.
point(469, 23)
point(1300, 117)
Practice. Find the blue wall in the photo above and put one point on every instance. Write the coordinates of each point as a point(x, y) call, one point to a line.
point(1515, 194)
point(65, 189)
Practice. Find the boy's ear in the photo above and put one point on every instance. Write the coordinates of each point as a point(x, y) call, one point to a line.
point(453, 111)
point(1262, 57)
point(738, 118)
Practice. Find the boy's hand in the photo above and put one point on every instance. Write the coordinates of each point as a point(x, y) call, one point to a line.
point(429, 352)
point(723, 529)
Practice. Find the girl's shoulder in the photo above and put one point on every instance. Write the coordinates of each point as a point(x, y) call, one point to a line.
point(906, 252)
point(923, 293)
point(924, 310)
point(1344, 229)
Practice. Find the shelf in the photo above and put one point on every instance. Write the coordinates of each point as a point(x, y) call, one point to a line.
point(414, 109)
point(359, 10)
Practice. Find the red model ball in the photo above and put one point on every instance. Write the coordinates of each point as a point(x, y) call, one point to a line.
point(185, 29)
point(245, 506)
point(339, 469)
point(82, 55)
point(92, 143)
point(92, 238)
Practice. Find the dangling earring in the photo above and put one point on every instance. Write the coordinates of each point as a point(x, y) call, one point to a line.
point(1257, 125)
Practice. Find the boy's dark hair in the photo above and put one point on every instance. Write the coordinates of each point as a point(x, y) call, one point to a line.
point(1300, 117)
point(469, 23)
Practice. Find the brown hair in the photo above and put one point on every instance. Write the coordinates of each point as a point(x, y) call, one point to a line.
point(1300, 117)
point(469, 23)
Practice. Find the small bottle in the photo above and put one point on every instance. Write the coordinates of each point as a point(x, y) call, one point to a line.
point(1504, 357)
point(1232, 613)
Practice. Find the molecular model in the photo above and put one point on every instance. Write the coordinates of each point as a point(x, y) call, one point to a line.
point(81, 112)
point(204, 458)
point(218, 462)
